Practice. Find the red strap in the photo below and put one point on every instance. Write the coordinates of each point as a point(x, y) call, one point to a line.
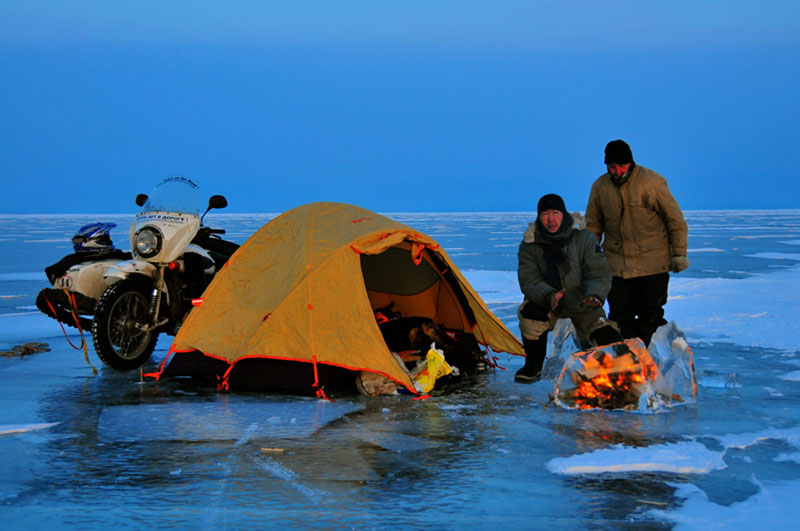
point(416, 252)
point(490, 360)
point(318, 389)
point(73, 308)
point(157, 375)
point(223, 384)
point(320, 392)
point(52, 309)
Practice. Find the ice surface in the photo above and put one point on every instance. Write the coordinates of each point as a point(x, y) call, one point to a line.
point(114, 451)
point(770, 508)
point(743, 440)
point(225, 419)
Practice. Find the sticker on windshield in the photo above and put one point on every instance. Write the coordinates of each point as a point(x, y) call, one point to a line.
point(180, 179)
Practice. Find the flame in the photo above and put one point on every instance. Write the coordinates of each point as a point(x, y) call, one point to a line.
point(603, 380)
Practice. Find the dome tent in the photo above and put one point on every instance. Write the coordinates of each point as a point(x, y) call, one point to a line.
point(294, 309)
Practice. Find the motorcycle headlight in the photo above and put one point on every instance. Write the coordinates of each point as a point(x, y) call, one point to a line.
point(147, 241)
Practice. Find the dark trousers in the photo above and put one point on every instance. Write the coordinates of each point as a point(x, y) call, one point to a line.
point(637, 304)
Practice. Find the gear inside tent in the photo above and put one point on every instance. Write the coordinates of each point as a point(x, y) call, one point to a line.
point(329, 296)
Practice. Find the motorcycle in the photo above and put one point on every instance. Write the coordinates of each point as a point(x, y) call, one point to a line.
point(173, 259)
point(77, 279)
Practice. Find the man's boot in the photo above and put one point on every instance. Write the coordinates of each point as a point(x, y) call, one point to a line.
point(605, 336)
point(535, 352)
point(648, 326)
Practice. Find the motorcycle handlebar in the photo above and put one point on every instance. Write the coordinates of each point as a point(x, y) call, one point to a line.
point(208, 230)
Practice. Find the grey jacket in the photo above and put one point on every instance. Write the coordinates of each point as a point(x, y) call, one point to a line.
point(585, 273)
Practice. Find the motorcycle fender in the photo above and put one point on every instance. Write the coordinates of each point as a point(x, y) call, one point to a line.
point(122, 270)
point(86, 278)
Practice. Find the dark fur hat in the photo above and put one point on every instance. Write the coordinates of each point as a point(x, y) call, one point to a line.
point(551, 202)
point(618, 152)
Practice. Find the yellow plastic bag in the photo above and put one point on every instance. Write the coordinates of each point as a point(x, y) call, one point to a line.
point(436, 367)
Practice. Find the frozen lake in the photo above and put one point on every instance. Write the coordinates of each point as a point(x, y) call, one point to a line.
point(88, 451)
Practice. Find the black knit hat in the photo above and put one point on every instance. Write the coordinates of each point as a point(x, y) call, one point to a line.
point(551, 202)
point(618, 152)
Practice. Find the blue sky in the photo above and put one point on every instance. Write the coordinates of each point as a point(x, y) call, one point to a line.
point(395, 106)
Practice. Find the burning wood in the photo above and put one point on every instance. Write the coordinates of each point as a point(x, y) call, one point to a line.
point(616, 376)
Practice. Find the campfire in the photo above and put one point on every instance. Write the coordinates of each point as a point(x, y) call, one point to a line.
point(617, 376)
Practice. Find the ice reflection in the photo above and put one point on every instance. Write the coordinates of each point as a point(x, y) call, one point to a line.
point(225, 418)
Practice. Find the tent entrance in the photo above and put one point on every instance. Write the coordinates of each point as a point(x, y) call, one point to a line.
point(419, 290)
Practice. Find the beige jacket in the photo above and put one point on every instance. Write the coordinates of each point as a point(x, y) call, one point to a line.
point(641, 221)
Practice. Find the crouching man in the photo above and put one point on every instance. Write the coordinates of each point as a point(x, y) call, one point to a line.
point(562, 273)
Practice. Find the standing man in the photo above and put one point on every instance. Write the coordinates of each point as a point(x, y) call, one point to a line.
point(645, 239)
point(562, 273)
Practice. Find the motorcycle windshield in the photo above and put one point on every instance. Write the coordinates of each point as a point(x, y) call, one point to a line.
point(176, 194)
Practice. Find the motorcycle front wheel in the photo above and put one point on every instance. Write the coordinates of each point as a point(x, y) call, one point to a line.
point(121, 312)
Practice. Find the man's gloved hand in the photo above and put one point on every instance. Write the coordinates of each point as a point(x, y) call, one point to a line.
point(556, 299)
point(679, 263)
point(592, 301)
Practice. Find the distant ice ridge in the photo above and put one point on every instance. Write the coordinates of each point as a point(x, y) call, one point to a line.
point(758, 311)
point(776, 256)
point(37, 276)
point(707, 250)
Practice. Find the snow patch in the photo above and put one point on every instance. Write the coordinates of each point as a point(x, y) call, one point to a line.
point(766, 510)
point(689, 457)
point(9, 429)
point(679, 458)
